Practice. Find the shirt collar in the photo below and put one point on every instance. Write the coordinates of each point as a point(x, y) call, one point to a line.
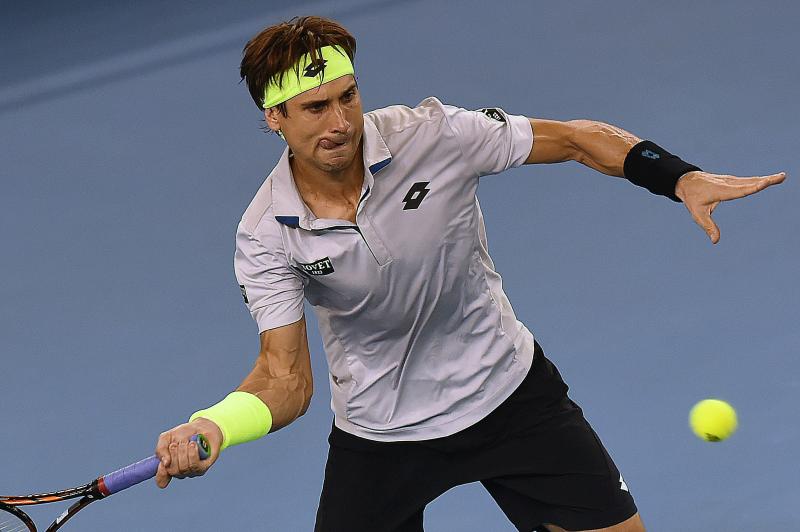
point(288, 205)
point(376, 153)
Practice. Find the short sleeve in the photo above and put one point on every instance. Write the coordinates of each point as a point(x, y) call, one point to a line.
point(272, 291)
point(491, 139)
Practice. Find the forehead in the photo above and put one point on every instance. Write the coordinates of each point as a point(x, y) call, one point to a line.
point(325, 91)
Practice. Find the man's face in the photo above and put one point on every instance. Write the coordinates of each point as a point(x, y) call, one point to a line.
point(323, 126)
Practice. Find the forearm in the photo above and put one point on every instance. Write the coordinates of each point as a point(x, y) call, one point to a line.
point(601, 146)
point(286, 396)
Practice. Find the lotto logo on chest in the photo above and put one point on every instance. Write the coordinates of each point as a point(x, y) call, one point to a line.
point(415, 195)
point(318, 267)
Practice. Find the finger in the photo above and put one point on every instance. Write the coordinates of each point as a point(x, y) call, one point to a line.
point(773, 179)
point(183, 457)
point(162, 448)
point(162, 477)
point(174, 466)
point(194, 460)
point(777, 178)
point(740, 187)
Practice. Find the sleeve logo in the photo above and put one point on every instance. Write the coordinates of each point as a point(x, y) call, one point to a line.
point(493, 113)
point(318, 267)
point(244, 293)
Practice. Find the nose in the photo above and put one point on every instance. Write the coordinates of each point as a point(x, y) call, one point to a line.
point(339, 122)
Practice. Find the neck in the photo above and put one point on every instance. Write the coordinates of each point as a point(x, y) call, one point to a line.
point(315, 183)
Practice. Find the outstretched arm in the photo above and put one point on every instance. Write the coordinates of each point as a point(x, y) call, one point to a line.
point(599, 146)
point(603, 147)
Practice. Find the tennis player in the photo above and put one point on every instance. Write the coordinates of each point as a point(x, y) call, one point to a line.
point(373, 219)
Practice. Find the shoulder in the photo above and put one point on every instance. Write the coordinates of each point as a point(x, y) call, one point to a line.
point(399, 118)
point(258, 221)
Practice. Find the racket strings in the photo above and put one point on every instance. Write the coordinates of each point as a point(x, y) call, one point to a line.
point(17, 526)
point(12, 523)
point(14, 527)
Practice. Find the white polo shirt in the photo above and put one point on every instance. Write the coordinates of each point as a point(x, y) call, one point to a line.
point(420, 339)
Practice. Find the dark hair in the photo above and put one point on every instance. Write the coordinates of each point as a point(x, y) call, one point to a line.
point(276, 49)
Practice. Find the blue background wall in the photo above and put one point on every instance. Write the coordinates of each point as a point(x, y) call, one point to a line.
point(129, 151)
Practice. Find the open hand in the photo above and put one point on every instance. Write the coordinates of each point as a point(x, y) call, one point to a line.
point(701, 192)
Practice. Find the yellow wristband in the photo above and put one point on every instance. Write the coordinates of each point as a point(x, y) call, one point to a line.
point(241, 417)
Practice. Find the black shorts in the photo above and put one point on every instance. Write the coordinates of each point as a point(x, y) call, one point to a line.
point(535, 454)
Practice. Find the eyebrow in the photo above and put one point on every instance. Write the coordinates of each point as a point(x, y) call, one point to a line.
point(314, 103)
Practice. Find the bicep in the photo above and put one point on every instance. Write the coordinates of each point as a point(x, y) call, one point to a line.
point(553, 141)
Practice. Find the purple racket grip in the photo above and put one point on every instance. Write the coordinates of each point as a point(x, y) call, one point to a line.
point(142, 470)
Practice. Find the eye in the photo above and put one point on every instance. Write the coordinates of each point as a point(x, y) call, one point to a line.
point(317, 108)
point(349, 95)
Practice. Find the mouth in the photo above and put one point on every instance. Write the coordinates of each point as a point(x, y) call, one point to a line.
point(332, 145)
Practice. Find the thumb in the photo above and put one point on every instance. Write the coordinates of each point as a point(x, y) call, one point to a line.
point(703, 219)
point(162, 477)
point(713, 231)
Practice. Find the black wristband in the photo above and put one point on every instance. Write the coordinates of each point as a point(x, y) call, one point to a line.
point(654, 168)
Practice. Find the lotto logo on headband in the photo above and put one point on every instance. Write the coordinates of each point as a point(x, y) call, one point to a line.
point(314, 69)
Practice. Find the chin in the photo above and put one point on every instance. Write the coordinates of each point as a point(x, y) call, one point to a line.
point(337, 163)
point(336, 167)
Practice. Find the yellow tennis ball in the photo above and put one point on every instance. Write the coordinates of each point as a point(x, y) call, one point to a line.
point(713, 420)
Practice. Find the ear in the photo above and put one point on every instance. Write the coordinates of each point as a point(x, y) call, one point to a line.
point(271, 118)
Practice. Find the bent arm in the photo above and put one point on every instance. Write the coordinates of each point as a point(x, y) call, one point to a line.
point(282, 376)
point(598, 145)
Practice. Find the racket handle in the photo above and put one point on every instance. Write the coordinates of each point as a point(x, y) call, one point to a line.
point(142, 470)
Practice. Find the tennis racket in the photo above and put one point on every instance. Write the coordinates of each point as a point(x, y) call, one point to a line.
point(13, 519)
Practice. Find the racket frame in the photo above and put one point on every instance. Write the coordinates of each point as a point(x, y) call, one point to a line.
point(118, 480)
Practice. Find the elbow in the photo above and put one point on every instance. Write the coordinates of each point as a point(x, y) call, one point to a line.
point(308, 392)
point(580, 132)
point(304, 408)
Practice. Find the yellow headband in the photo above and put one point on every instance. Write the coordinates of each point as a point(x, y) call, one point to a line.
point(334, 64)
